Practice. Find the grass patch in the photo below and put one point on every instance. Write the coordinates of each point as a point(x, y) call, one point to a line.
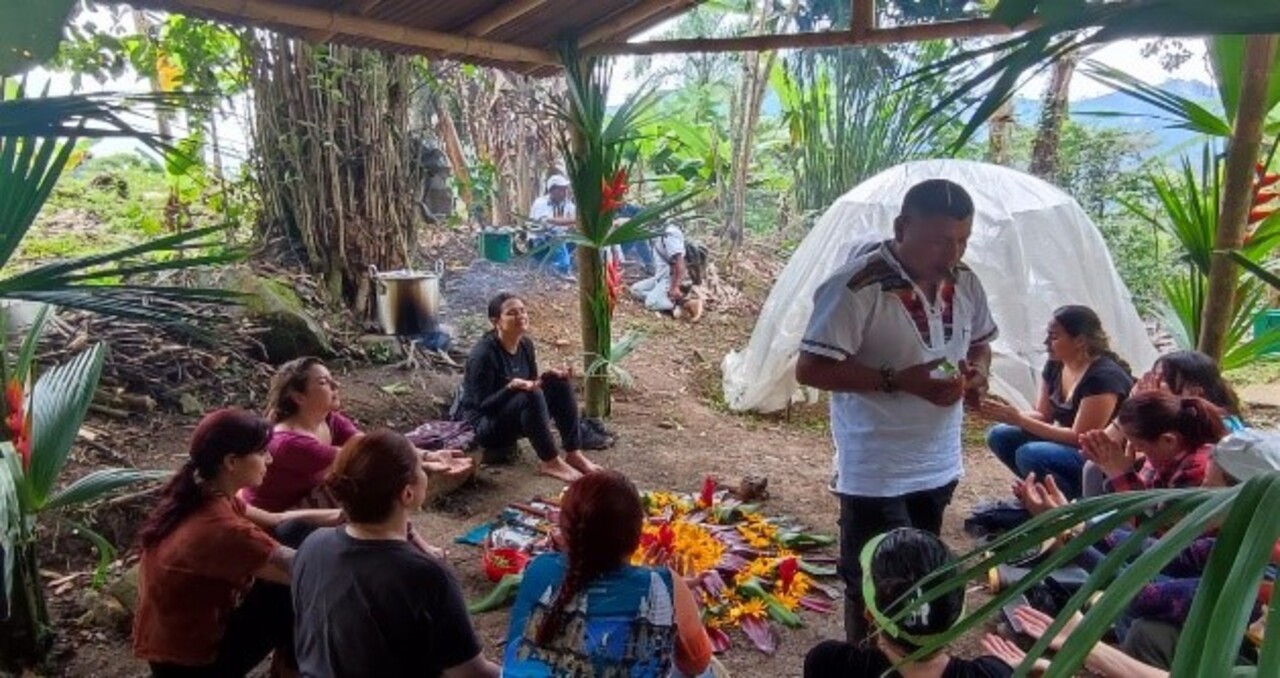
point(1264, 371)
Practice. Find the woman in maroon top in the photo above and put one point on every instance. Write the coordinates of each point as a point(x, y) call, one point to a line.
point(309, 429)
point(213, 595)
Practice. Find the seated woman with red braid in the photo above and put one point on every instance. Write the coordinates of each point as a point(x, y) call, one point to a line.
point(589, 612)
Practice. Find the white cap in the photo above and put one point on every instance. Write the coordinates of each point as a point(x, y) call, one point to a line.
point(557, 180)
point(1248, 453)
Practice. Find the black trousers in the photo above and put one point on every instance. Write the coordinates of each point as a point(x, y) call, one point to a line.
point(262, 623)
point(528, 414)
point(861, 519)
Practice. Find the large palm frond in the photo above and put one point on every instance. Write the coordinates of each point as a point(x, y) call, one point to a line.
point(1247, 530)
point(1062, 27)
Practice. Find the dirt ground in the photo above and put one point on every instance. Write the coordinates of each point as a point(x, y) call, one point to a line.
point(673, 430)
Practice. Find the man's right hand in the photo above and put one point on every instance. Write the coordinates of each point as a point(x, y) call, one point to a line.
point(918, 381)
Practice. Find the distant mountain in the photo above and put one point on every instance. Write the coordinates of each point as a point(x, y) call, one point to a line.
point(1166, 141)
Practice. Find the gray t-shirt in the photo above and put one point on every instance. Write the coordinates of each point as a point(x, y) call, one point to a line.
point(376, 608)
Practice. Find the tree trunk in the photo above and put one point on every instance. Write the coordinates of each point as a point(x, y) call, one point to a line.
point(1001, 134)
point(1053, 113)
point(596, 333)
point(26, 636)
point(1237, 190)
point(756, 69)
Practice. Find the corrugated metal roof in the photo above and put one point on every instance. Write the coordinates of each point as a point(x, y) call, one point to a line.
point(539, 28)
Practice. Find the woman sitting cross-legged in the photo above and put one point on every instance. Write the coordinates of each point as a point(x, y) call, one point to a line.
point(304, 403)
point(1083, 385)
point(213, 594)
point(370, 599)
point(589, 612)
point(893, 564)
point(505, 397)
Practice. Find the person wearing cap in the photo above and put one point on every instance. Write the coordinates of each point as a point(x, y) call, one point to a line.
point(893, 564)
point(558, 214)
point(899, 335)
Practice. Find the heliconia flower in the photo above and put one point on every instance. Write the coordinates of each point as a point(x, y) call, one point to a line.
point(613, 192)
point(708, 492)
point(1263, 197)
point(787, 568)
point(1259, 214)
point(1265, 180)
point(13, 395)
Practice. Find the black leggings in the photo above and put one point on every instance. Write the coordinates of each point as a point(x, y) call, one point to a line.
point(262, 622)
point(526, 414)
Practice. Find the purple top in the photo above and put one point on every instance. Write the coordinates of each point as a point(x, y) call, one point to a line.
point(298, 464)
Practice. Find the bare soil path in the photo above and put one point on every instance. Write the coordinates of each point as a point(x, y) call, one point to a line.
point(673, 432)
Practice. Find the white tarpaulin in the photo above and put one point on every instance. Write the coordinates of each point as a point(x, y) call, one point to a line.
point(1032, 246)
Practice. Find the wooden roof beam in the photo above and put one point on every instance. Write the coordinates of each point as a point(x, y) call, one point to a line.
point(967, 28)
point(272, 12)
point(509, 11)
point(624, 21)
point(363, 7)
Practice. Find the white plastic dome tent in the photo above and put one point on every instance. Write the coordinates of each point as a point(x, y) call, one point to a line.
point(1032, 246)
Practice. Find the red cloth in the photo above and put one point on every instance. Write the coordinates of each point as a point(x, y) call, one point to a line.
point(192, 580)
point(298, 464)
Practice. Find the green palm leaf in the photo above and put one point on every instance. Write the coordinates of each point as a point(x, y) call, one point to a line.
point(1065, 27)
point(10, 516)
point(100, 483)
point(1183, 113)
point(59, 402)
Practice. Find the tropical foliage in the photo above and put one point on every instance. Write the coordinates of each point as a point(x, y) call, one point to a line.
point(42, 417)
point(1168, 522)
point(596, 147)
point(1187, 209)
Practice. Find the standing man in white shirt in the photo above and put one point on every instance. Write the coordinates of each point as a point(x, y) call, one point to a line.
point(558, 213)
point(662, 291)
point(899, 335)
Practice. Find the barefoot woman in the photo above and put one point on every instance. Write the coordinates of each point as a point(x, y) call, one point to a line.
point(506, 398)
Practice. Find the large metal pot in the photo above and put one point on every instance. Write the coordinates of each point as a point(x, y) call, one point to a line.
point(408, 302)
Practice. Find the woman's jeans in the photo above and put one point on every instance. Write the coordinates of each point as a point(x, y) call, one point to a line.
point(1024, 453)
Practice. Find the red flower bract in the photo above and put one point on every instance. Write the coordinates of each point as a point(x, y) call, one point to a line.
point(613, 192)
point(708, 492)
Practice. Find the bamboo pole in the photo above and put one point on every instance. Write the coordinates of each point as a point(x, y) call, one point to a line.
point(967, 28)
point(274, 12)
point(362, 8)
point(503, 15)
point(1237, 191)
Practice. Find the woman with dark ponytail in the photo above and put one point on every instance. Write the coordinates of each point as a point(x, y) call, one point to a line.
point(213, 595)
point(1082, 386)
point(584, 611)
point(1173, 434)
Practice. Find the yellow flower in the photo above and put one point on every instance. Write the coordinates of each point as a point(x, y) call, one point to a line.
point(753, 608)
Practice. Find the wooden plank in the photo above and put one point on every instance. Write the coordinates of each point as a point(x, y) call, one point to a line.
point(280, 13)
point(503, 15)
point(622, 22)
point(968, 28)
point(363, 7)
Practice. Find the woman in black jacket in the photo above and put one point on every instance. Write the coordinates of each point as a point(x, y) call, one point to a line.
point(505, 397)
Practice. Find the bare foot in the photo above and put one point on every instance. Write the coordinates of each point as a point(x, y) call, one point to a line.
point(557, 468)
point(579, 461)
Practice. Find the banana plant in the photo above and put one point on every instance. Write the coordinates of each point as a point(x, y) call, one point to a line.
point(1244, 516)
